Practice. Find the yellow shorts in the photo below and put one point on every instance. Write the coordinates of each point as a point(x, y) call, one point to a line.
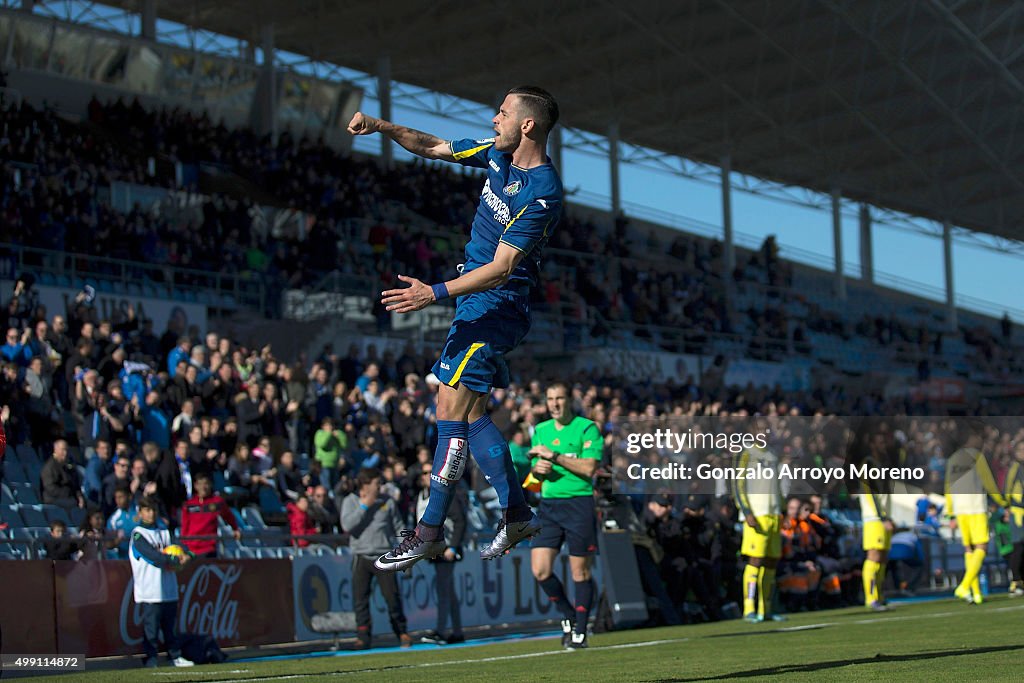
point(876, 536)
point(973, 528)
point(765, 540)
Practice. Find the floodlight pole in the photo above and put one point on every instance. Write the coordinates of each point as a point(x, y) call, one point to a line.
point(727, 239)
point(947, 258)
point(867, 263)
point(837, 243)
point(613, 160)
point(149, 19)
point(384, 97)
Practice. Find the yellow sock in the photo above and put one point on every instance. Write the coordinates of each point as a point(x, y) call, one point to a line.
point(965, 582)
point(869, 573)
point(750, 580)
point(974, 567)
point(767, 591)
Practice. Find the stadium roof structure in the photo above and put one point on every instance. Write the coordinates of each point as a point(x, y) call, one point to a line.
point(913, 106)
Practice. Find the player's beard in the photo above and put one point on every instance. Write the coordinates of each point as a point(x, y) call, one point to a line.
point(507, 142)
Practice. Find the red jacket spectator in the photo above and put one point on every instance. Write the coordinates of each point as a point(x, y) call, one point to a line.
point(300, 521)
point(199, 518)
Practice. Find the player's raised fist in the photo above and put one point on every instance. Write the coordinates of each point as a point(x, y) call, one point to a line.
point(361, 124)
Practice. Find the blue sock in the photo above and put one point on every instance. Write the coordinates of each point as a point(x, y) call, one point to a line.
point(494, 459)
point(449, 464)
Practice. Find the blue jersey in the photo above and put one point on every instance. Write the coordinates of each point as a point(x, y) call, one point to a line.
point(520, 207)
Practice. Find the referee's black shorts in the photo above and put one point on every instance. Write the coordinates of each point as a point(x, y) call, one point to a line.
point(568, 519)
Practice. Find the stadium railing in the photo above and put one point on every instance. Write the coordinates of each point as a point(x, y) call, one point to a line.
point(69, 269)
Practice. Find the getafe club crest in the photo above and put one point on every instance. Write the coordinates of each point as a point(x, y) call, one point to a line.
point(513, 188)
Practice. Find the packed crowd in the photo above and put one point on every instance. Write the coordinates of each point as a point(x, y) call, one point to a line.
point(185, 418)
point(603, 275)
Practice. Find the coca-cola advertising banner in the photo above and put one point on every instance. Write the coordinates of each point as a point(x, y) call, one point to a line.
point(238, 602)
point(26, 608)
point(499, 592)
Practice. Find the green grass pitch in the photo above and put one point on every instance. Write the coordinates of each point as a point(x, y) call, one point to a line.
point(934, 641)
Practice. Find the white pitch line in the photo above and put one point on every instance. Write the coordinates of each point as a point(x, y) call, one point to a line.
point(622, 646)
point(424, 665)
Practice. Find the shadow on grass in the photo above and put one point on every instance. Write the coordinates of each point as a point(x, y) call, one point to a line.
point(775, 671)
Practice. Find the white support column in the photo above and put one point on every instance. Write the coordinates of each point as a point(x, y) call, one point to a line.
point(837, 240)
point(867, 256)
point(727, 238)
point(555, 149)
point(149, 19)
point(613, 161)
point(947, 258)
point(384, 97)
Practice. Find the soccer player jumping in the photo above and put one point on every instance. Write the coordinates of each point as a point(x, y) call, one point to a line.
point(520, 206)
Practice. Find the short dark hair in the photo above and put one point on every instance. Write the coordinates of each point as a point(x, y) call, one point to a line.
point(539, 104)
point(148, 502)
point(366, 475)
point(57, 524)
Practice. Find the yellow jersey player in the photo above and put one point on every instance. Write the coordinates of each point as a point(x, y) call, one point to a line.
point(760, 504)
point(1013, 492)
point(969, 483)
point(875, 510)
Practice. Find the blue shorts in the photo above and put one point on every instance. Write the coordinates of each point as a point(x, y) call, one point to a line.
point(487, 325)
point(567, 519)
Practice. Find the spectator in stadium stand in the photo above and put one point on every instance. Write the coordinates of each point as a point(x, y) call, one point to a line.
point(164, 473)
point(329, 444)
point(121, 521)
point(372, 522)
point(290, 482)
point(154, 421)
point(243, 477)
point(96, 541)
point(324, 511)
point(58, 545)
point(448, 607)
point(60, 483)
point(201, 457)
point(181, 352)
point(97, 468)
point(14, 350)
point(566, 451)
point(249, 411)
point(300, 522)
point(199, 517)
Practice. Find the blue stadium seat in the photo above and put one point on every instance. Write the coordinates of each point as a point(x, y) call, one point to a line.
point(27, 542)
point(50, 513)
point(246, 553)
point(26, 493)
point(77, 516)
point(269, 502)
point(253, 518)
point(6, 496)
point(28, 454)
point(9, 551)
point(34, 515)
point(14, 473)
point(219, 482)
point(10, 516)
